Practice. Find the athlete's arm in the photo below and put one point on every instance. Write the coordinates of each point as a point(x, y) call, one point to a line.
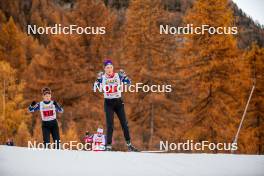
point(58, 107)
point(33, 107)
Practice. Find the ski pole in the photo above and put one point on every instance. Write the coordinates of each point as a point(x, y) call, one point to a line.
point(243, 116)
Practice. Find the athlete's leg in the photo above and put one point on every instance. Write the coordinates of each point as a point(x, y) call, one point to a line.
point(109, 114)
point(120, 111)
point(46, 134)
point(55, 133)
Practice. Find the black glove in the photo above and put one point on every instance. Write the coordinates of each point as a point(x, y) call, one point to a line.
point(55, 103)
point(33, 103)
point(122, 73)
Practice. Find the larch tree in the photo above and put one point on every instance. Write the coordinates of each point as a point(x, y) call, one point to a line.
point(62, 68)
point(148, 56)
point(251, 138)
point(69, 63)
point(12, 102)
point(11, 49)
point(213, 68)
point(96, 49)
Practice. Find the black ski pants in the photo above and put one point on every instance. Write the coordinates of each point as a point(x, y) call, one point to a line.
point(51, 127)
point(112, 106)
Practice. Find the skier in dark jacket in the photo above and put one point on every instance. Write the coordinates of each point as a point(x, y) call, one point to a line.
point(110, 83)
point(48, 109)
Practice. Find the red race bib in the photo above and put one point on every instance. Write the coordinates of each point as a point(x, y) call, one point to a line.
point(48, 113)
point(111, 89)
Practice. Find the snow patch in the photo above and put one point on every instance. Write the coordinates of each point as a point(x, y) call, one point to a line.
point(16, 161)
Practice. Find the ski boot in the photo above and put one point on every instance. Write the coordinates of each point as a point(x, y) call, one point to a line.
point(131, 148)
point(108, 148)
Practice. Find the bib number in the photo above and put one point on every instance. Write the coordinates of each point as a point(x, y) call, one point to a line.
point(111, 89)
point(48, 113)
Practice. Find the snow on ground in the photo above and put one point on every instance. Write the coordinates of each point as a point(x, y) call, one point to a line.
point(18, 161)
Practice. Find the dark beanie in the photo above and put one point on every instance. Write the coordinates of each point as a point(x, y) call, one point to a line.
point(108, 62)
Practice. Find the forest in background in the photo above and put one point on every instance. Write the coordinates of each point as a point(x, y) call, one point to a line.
point(211, 75)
